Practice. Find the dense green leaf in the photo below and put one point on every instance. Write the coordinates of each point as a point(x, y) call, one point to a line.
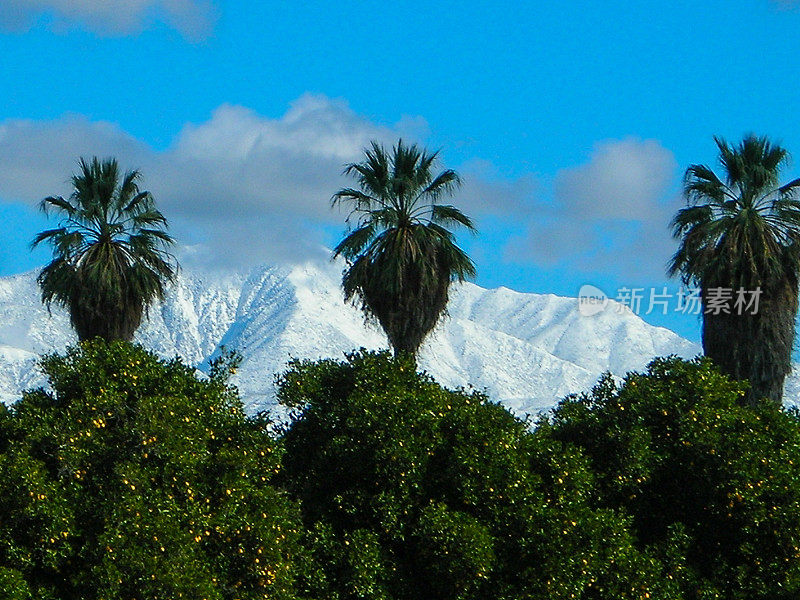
point(133, 478)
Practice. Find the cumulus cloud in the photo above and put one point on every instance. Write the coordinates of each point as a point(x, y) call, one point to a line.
point(193, 18)
point(39, 156)
point(611, 210)
point(486, 191)
point(623, 180)
point(239, 188)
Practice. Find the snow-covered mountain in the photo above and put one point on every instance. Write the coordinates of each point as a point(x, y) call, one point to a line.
point(526, 350)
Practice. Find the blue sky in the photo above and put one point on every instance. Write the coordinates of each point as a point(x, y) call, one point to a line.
point(571, 122)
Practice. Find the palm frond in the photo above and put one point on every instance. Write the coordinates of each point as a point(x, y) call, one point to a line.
point(138, 199)
point(447, 214)
point(445, 183)
point(790, 188)
point(56, 203)
point(355, 242)
point(361, 201)
point(47, 234)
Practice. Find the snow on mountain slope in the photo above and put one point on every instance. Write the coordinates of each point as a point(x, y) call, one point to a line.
point(526, 350)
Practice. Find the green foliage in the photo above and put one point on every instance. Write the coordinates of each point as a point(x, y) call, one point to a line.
point(135, 479)
point(109, 258)
point(742, 231)
point(413, 491)
point(13, 585)
point(702, 476)
point(401, 255)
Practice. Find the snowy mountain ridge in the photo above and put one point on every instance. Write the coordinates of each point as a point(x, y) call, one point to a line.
point(526, 350)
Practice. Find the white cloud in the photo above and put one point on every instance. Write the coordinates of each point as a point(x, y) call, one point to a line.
point(239, 188)
point(38, 157)
point(193, 18)
point(487, 192)
point(610, 212)
point(623, 179)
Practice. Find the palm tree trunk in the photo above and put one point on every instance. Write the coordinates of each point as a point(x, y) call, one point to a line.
point(756, 347)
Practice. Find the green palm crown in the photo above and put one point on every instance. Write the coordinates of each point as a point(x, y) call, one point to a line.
point(401, 254)
point(109, 252)
point(743, 229)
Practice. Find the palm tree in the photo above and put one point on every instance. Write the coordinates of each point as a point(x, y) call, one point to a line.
point(401, 256)
point(109, 252)
point(742, 232)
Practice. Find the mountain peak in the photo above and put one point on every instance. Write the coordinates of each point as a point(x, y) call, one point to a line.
point(525, 350)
